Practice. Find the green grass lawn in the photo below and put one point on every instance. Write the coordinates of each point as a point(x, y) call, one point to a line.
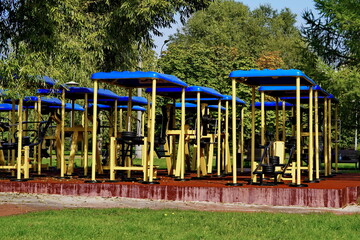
point(176, 224)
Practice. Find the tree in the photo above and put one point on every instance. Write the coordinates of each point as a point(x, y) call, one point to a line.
point(334, 35)
point(78, 37)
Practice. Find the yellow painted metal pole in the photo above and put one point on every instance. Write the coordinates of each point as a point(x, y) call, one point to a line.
point(226, 140)
point(152, 130)
point(94, 132)
point(72, 113)
point(116, 119)
point(277, 119)
point(12, 134)
point(62, 160)
point(253, 164)
point(198, 134)
point(311, 137)
point(121, 120)
point(298, 133)
point(182, 135)
point(219, 139)
point(329, 137)
point(19, 135)
point(86, 136)
point(325, 131)
point(112, 158)
point(128, 113)
point(336, 138)
point(233, 108)
point(262, 127)
point(242, 140)
point(39, 146)
point(317, 157)
point(284, 121)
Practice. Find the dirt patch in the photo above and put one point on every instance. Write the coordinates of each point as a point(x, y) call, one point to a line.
point(14, 203)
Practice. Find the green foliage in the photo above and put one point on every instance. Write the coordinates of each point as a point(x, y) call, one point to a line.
point(335, 34)
point(170, 223)
point(75, 38)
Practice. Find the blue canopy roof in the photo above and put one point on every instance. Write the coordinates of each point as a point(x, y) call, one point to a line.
point(272, 105)
point(138, 79)
point(68, 107)
point(123, 100)
point(305, 100)
point(4, 107)
point(32, 99)
point(216, 107)
point(266, 77)
point(108, 107)
point(193, 105)
point(215, 100)
point(290, 91)
point(134, 108)
point(189, 92)
point(79, 93)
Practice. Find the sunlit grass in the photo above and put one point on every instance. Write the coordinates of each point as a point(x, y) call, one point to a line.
point(176, 224)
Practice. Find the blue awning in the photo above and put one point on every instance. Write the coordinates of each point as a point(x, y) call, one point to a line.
point(68, 107)
point(215, 100)
point(5, 107)
point(266, 77)
point(216, 107)
point(32, 99)
point(189, 92)
point(272, 105)
point(123, 100)
point(290, 91)
point(108, 107)
point(138, 79)
point(305, 100)
point(74, 93)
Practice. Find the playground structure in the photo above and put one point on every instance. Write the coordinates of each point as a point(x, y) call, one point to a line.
point(187, 144)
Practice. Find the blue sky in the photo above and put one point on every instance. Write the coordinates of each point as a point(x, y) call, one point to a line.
point(296, 6)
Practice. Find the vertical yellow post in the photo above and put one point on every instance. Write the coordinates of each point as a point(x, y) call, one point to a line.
point(284, 121)
point(116, 119)
point(317, 162)
point(198, 134)
point(62, 168)
point(26, 162)
point(39, 146)
point(242, 140)
point(86, 136)
point(262, 94)
point(311, 137)
point(233, 108)
point(112, 158)
point(19, 135)
point(182, 135)
point(152, 130)
point(219, 139)
point(298, 133)
point(121, 120)
point(329, 137)
point(12, 134)
point(128, 113)
point(277, 119)
point(336, 138)
point(226, 140)
point(72, 113)
point(325, 131)
point(94, 133)
point(253, 164)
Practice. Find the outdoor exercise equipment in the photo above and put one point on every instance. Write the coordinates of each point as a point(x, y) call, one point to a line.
point(191, 92)
point(133, 80)
point(279, 77)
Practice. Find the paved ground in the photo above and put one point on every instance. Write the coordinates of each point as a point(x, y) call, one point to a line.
point(14, 203)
